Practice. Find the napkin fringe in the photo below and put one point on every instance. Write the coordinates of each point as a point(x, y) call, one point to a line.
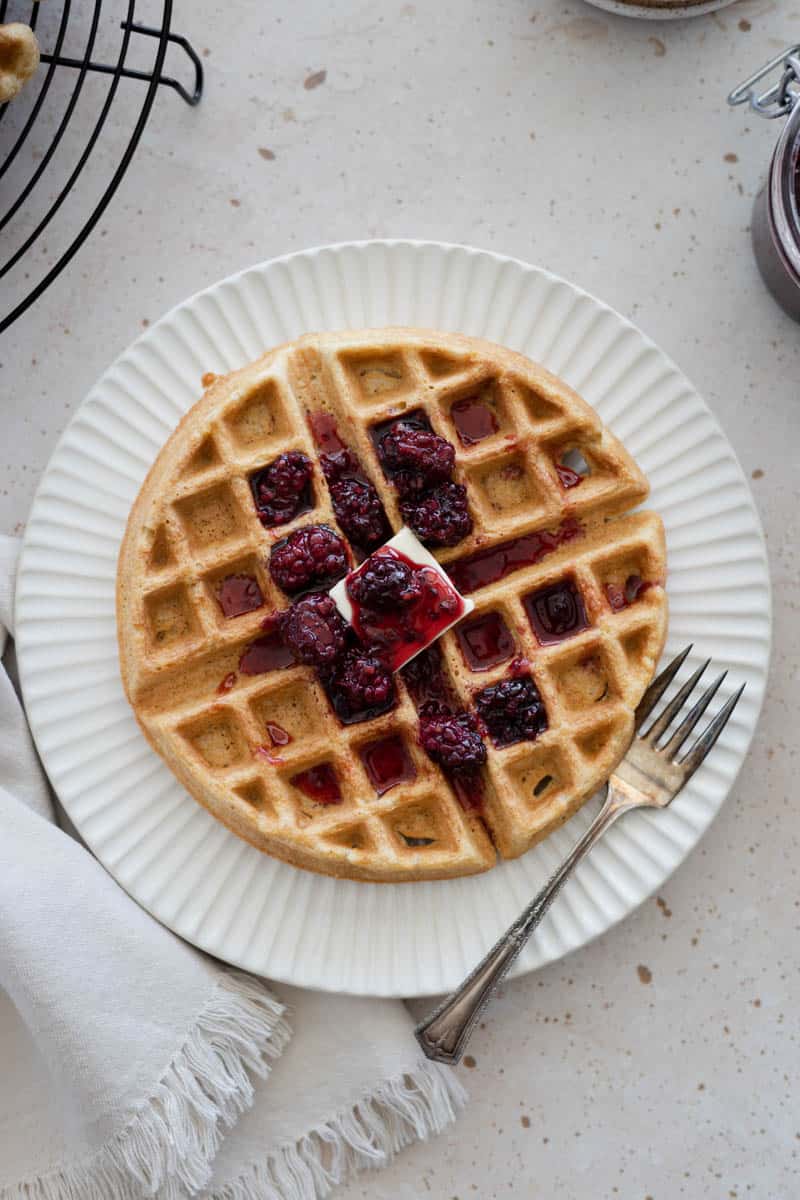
point(168, 1147)
point(399, 1110)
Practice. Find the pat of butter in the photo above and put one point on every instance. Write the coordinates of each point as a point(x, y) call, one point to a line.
point(408, 544)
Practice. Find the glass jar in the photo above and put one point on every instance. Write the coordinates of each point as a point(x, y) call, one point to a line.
point(776, 211)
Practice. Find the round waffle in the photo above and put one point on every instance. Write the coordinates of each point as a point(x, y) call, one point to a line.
point(550, 493)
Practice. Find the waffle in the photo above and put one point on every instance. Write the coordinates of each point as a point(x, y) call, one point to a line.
point(194, 523)
point(19, 58)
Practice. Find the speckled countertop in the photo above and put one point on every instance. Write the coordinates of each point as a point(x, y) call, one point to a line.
point(661, 1061)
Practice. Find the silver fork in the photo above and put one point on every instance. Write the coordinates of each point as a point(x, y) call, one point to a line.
point(649, 776)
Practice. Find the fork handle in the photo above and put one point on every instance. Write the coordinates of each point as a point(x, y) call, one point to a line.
point(444, 1033)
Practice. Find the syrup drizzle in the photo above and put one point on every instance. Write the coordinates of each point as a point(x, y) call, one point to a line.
point(488, 566)
point(485, 641)
point(239, 594)
point(621, 597)
point(227, 683)
point(319, 784)
point(325, 433)
point(277, 734)
point(473, 420)
point(266, 653)
point(387, 763)
point(556, 612)
point(568, 477)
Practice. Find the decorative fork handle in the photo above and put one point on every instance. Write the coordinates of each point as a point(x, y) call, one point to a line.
point(445, 1032)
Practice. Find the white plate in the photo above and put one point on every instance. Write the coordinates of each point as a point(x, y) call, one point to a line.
point(167, 851)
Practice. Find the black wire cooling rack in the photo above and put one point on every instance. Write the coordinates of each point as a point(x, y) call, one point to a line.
point(43, 158)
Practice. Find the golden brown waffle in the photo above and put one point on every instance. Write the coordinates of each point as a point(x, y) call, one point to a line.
point(19, 58)
point(194, 523)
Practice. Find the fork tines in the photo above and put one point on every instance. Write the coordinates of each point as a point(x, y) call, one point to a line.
point(660, 726)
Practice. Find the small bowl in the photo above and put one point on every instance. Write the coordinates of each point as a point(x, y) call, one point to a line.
point(660, 11)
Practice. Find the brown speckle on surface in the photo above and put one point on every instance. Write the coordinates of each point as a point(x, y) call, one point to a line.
point(745, 25)
point(731, 157)
point(269, 155)
point(659, 49)
point(757, 474)
point(207, 379)
point(315, 80)
point(469, 1061)
point(235, 203)
point(756, 1004)
point(145, 322)
point(662, 904)
point(644, 973)
point(525, 1122)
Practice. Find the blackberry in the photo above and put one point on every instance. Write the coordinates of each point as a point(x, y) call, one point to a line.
point(282, 489)
point(410, 485)
point(314, 556)
point(512, 711)
point(339, 465)
point(314, 630)
point(384, 583)
point(361, 687)
point(420, 452)
point(440, 518)
point(359, 512)
point(452, 741)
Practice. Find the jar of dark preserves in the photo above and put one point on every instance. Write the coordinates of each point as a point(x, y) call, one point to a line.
point(776, 211)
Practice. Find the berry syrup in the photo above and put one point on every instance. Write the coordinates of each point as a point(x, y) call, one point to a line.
point(556, 612)
point(238, 594)
point(387, 763)
point(319, 784)
point(325, 433)
point(568, 477)
point(485, 642)
point(277, 734)
point(488, 566)
point(621, 597)
point(473, 420)
point(267, 653)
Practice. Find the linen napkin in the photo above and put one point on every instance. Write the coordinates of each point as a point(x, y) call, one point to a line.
point(133, 1066)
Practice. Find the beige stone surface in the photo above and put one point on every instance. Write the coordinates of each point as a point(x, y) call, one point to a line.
point(661, 1061)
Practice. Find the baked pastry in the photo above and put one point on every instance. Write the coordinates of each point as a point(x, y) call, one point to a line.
point(19, 58)
point(262, 700)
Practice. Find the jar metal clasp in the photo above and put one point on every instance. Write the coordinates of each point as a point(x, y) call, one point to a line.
point(779, 98)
